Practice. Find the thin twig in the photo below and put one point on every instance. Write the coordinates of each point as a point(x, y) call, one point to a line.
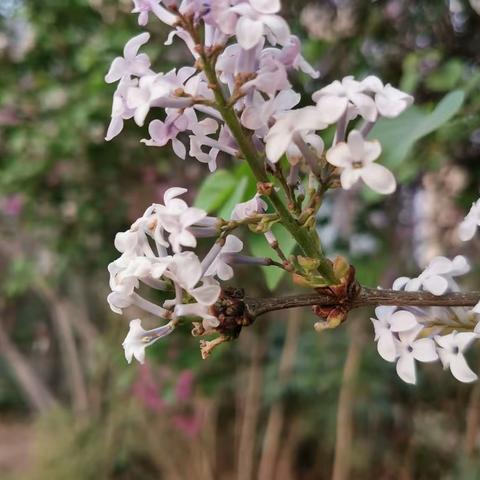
point(365, 297)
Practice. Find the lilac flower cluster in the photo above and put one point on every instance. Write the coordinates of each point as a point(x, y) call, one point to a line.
point(236, 101)
point(405, 335)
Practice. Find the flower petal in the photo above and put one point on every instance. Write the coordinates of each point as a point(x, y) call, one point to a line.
point(460, 369)
point(379, 178)
point(248, 32)
point(402, 320)
point(406, 369)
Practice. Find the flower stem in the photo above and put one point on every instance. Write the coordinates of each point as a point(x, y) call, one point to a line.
point(307, 239)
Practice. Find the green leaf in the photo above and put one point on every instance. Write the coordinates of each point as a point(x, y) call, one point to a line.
point(260, 248)
point(399, 135)
point(215, 190)
point(237, 196)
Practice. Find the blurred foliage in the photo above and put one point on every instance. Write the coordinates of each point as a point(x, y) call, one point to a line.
point(64, 193)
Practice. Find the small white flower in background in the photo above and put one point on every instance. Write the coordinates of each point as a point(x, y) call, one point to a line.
point(388, 322)
point(138, 339)
point(469, 225)
point(176, 216)
point(249, 208)
point(356, 157)
point(437, 277)
point(390, 101)
point(131, 63)
point(451, 352)
point(342, 95)
point(409, 349)
point(220, 266)
point(301, 122)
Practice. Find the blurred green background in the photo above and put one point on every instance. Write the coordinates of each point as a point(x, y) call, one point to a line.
point(282, 402)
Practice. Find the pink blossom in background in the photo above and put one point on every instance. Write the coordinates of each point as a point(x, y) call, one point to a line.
point(12, 205)
point(146, 389)
point(189, 425)
point(184, 387)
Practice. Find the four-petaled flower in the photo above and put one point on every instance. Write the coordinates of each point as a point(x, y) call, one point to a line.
point(437, 277)
point(469, 225)
point(388, 322)
point(409, 349)
point(451, 352)
point(356, 158)
point(176, 217)
point(132, 63)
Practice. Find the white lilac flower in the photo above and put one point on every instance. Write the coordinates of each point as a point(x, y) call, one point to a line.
point(390, 101)
point(253, 23)
point(144, 7)
point(451, 352)
point(437, 277)
point(220, 267)
point(469, 225)
point(260, 112)
point(270, 77)
point(210, 322)
point(131, 63)
point(175, 217)
point(289, 125)
point(388, 322)
point(186, 271)
point(138, 339)
point(356, 158)
point(155, 89)
point(249, 208)
point(409, 349)
point(290, 55)
point(347, 93)
point(120, 110)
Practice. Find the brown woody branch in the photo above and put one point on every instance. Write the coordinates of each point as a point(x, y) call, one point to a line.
point(364, 297)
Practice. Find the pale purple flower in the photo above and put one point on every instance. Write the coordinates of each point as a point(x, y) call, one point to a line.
point(356, 158)
point(163, 132)
point(186, 271)
point(451, 353)
point(469, 225)
point(249, 208)
point(437, 277)
point(290, 55)
point(155, 90)
point(409, 349)
point(342, 95)
point(144, 7)
point(220, 266)
point(132, 63)
point(390, 101)
point(389, 322)
point(252, 24)
point(138, 339)
point(175, 217)
point(120, 110)
point(260, 112)
point(291, 124)
point(271, 77)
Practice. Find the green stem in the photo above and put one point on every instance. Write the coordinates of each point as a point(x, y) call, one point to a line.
point(306, 238)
